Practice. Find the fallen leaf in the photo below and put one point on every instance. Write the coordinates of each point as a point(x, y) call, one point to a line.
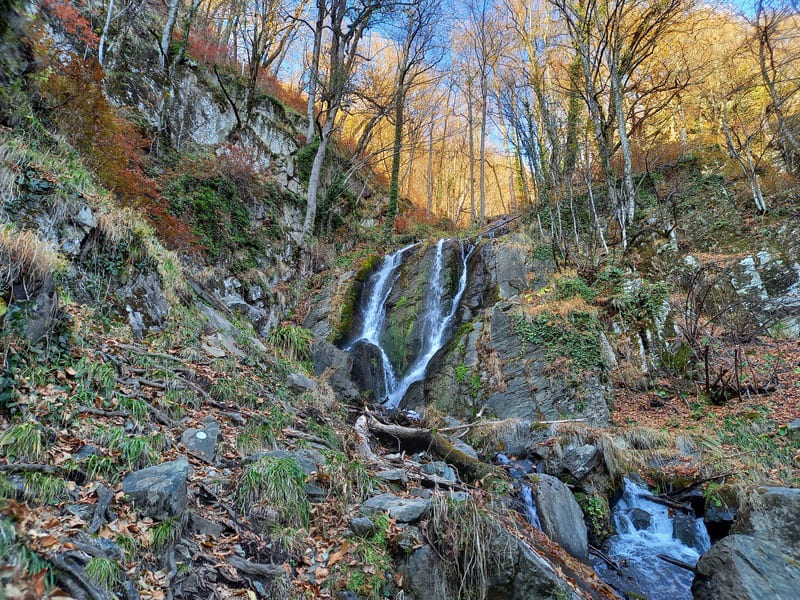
point(337, 556)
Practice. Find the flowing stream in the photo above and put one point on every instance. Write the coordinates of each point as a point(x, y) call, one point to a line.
point(639, 541)
point(438, 315)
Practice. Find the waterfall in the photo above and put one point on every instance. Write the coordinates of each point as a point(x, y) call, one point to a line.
point(526, 495)
point(519, 469)
point(645, 530)
point(438, 317)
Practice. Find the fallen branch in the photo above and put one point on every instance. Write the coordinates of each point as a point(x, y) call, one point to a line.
point(605, 558)
point(302, 435)
point(72, 577)
point(256, 569)
point(676, 562)
point(104, 498)
point(362, 434)
point(424, 439)
point(667, 502)
point(503, 422)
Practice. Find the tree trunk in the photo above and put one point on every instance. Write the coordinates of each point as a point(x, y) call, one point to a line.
point(104, 36)
point(314, 178)
point(629, 190)
point(313, 74)
point(394, 182)
point(484, 108)
point(429, 171)
point(470, 127)
point(166, 34)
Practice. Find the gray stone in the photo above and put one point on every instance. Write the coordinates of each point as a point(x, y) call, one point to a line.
point(641, 519)
point(393, 475)
point(202, 442)
point(86, 452)
point(159, 492)
point(510, 269)
point(793, 430)
point(297, 382)
point(328, 358)
point(579, 461)
point(774, 516)
point(145, 304)
point(362, 526)
point(684, 529)
point(560, 515)
point(424, 575)
point(404, 510)
point(202, 526)
point(217, 321)
point(464, 447)
point(85, 218)
point(742, 567)
point(440, 469)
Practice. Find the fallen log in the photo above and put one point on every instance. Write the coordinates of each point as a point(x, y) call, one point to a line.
point(423, 439)
point(605, 558)
point(667, 502)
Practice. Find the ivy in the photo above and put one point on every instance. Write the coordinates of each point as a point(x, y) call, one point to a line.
point(575, 337)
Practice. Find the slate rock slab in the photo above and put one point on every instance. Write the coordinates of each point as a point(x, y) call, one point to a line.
point(159, 491)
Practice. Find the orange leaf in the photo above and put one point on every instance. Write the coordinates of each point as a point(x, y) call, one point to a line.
point(337, 556)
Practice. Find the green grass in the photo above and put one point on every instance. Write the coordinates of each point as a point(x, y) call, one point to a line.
point(260, 433)
point(165, 533)
point(23, 443)
point(279, 482)
point(103, 572)
point(42, 488)
point(350, 479)
point(292, 341)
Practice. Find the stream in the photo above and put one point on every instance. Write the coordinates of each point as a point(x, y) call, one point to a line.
point(639, 541)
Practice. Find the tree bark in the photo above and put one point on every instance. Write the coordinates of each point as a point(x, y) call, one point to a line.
point(166, 34)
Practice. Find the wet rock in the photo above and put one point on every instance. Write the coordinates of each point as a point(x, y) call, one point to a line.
point(560, 515)
point(404, 510)
point(775, 516)
point(640, 519)
point(297, 382)
point(742, 567)
point(362, 526)
point(464, 447)
point(793, 430)
point(367, 371)
point(202, 442)
point(684, 528)
point(159, 492)
point(719, 521)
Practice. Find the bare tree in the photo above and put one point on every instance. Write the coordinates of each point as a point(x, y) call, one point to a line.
point(346, 21)
point(417, 54)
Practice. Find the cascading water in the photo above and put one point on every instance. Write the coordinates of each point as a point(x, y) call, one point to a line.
point(379, 286)
point(519, 469)
point(438, 317)
point(638, 543)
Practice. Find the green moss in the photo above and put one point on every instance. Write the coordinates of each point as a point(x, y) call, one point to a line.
point(575, 337)
point(304, 160)
point(569, 287)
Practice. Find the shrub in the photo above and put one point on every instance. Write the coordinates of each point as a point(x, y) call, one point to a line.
point(293, 341)
point(279, 482)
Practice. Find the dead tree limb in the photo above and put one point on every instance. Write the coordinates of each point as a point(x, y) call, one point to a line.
point(470, 468)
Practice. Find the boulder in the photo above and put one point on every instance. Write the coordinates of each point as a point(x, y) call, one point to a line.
point(510, 269)
point(202, 442)
point(742, 567)
point(560, 515)
point(774, 516)
point(328, 358)
point(684, 528)
point(367, 371)
point(640, 519)
point(362, 526)
point(403, 510)
point(581, 460)
point(297, 382)
point(159, 492)
point(145, 304)
point(393, 476)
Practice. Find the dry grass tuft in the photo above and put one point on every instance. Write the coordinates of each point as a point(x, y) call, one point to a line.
point(23, 254)
point(646, 438)
point(561, 308)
